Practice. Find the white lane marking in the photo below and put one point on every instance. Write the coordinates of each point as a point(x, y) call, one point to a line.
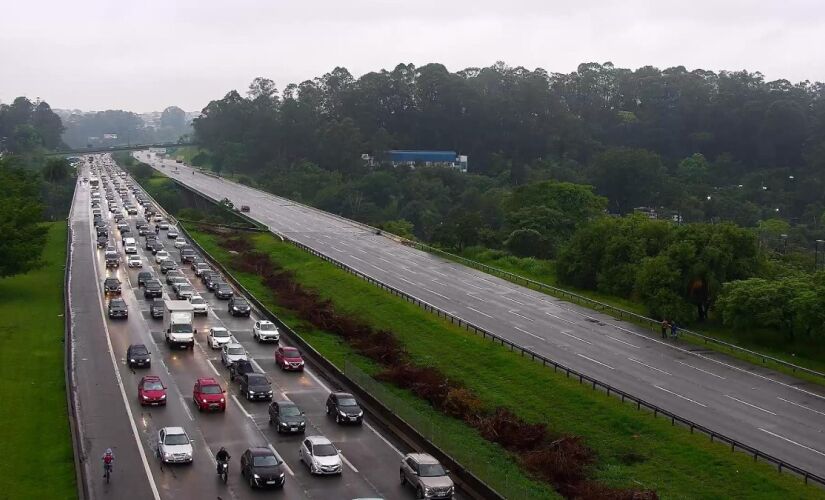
point(791, 441)
point(472, 285)
point(256, 365)
point(336, 249)
point(348, 463)
point(439, 273)
point(560, 318)
point(577, 338)
point(185, 407)
point(801, 406)
point(317, 380)
point(383, 438)
point(651, 367)
point(360, 250)
point(623, 342)
point(238, 402)
point(680, 396)
point(356, 258)
point(143, 459)
point(436, 293)
point(286, 465)
point(749, 404)
point(382, 270)
point(701, 370)
point(594, 360)
point(479, 312)
point(470, 294)
point(522, 330)
point(514, 300)
point(514, 313)
point(406, 280)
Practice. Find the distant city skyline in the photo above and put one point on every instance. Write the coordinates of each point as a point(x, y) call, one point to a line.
point(145, 56)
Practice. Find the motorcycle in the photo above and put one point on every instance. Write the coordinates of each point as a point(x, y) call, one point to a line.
point(223, 470)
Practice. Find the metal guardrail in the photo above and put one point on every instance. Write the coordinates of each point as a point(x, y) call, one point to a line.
point(593, 382)
point(68, 366)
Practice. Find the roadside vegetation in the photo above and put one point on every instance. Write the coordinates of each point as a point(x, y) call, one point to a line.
point(35, 444)
point(629, 451)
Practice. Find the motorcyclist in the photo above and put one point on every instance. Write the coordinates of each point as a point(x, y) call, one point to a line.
point(108, 459)
point(222, 457)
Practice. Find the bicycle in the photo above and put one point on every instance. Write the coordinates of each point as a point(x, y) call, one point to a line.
point(107, 471)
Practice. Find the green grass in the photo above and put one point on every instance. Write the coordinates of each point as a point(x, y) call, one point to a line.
point(35, 444)
point(634, 449)
point(800, 352)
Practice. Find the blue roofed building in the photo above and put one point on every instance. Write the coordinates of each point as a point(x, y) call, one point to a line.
point(412, 158)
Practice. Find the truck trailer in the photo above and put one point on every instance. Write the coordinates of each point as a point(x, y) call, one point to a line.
point(177, 323)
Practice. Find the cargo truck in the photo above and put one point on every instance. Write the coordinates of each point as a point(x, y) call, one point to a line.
point(177, 323)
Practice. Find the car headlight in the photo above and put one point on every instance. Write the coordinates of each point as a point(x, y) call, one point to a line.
point(163, 396)
point(234, 308)
point(282, 475)
point(167, 455)
point(131, 360)
point(270, 392)
point(204, 401)
point(145, 397)
point(251, 393)
point(342, 413)
point(256, 476)
point(284, 424)
point(361, 413)
point(223, 400)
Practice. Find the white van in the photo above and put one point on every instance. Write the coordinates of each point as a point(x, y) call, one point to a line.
point(129, 245)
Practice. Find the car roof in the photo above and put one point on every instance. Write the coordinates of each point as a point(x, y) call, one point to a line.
point(342, 395)
point(174, 430)
point(423, 458)
point(150, 378)
point(265, 321)
point(318, 440)
point(134, 346)
point(233, 344)
point(286, 402)
point(260, 451)
point(219, 328)
point(208, 381)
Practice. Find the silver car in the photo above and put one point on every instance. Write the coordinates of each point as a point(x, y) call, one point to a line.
point(427, 476)
point(232, 352)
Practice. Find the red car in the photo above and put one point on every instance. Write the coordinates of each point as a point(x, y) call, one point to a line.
point(209, 395)
point(151, 391)
point(289, 358)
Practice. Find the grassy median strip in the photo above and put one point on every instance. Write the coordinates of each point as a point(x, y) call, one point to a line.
point(634, 449)
point(35, 444)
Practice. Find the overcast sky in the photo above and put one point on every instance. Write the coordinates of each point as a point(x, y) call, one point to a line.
point(145, 55)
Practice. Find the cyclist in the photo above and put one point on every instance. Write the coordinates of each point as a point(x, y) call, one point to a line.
point(221, 457)
point(108, 460)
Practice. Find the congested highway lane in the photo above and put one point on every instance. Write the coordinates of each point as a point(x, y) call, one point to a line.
point(371, 460)
point(778, 414)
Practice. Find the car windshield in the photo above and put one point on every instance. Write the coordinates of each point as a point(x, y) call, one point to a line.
point(347, 402)
point(324, 450)
point(152, 385)
point(431, 470)
point(139, 350)
point(181, 328)
point(176, 439)
point(211, 389)
point(184, 288)
point(235, 351)
point(197, 300)
point(290, 411)
point(267, 326)
point(292, 353)
point(258, 380)
point(265, 461)
point(220, 333)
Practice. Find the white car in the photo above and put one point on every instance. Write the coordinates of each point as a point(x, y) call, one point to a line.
point(174, 445)
point(134, 261)
point(161, 256)
point(218, 337)
point(199, 306)
point(180, 243)
point(232, 352)
point(264, 330)
point(320, 455)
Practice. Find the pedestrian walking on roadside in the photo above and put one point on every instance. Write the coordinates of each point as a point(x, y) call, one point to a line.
point(665, 326)
point(674, 331)
point(157, 229)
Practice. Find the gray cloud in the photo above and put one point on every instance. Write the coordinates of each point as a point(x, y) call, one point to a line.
point(146, 55)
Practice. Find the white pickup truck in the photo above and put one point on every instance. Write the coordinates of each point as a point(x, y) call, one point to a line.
point(177, 323)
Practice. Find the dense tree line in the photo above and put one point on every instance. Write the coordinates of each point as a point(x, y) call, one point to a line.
point(127, 126)
point(27, 126)
point(550, 155)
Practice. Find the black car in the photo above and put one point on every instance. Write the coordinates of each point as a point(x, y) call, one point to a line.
point(118, 217)
point(156, 308)
point(255, 386)
point(123, 228)
point(143, 277)
point(261, 467)
point(187, 254)
point(171, 275)
point(238, 306)
point(152, 289)
point(167, 265)
point(239, 368)
point(206, 275)
point(118, 309)
point(143, 229)
point(287, 417)
point(111, 285)
point(102, 241)
point(344, 408)
point(149, 241)
point(138, 355)
point(102, 231)
point(224, 291)
point(156, 247)
point(213, 281)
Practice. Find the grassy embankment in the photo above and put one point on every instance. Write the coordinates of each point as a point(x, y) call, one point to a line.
point(634, 449)
point(798, 351)
point(35, 444)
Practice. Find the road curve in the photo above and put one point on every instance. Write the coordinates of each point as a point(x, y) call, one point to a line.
point(775, 413)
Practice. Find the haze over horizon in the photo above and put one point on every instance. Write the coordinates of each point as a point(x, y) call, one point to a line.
point(94, 55)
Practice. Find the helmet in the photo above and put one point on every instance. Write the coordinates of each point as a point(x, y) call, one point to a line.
point(108, 451)
point(222, 449)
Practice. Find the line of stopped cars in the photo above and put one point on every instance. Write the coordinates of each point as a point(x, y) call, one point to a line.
point(259, 466)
